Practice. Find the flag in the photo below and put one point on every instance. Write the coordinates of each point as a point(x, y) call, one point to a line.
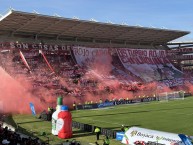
point(23, 59)
point(41, 52)
point(184, 139)
point(32, 109)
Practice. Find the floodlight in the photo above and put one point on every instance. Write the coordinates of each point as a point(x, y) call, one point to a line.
point(75, 18)
point(164, 27)
point(10, 8)
point(124, 24)
point(152, 26)
point(57, 15)
point(93, 20)
point(34, 11)
point(110, 22)
point(139, 25)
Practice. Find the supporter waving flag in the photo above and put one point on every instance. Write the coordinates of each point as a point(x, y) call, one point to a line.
point(23, 59)
point(41, 52)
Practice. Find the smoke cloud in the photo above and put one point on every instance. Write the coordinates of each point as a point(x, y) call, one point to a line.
point(15, 96)
point(16, 92)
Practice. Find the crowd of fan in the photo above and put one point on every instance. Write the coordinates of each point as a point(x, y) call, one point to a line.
point(12, 138)
point(188, 73)
point(69, 78)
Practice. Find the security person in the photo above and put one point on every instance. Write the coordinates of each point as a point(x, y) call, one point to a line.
point(49, 109)
point(106, 141)
point(126, 128)
point(100, 101)
point(74, 105)
point(97, 131)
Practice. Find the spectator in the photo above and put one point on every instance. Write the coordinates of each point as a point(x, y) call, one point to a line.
point(12, 138)
point(74, 105)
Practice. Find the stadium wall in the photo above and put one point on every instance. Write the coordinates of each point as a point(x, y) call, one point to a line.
point(74, 42)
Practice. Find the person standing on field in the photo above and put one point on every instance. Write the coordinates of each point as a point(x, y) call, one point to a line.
point(97, 131)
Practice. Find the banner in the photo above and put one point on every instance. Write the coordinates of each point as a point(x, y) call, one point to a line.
point(87, 106)
point(180, 50)
point(106, 104)
point(177, 82)
point(181, 57)
point(159, 137)
point(45, 47)
point(87, 56)
point(185, 139)
point(149, 65)
point(116, 102)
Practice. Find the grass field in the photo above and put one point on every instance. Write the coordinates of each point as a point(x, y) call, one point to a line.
point(173, 116)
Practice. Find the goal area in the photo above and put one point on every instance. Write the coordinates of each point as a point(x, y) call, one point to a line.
point(167, 96)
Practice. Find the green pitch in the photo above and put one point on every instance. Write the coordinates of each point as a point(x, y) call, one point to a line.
point(173, 116)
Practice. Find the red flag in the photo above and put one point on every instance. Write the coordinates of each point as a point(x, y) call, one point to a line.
point(40, 51)
point(24, 60)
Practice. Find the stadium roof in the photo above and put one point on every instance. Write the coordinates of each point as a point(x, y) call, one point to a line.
point(59, 28)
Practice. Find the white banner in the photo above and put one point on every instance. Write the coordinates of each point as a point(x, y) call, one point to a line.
point(149, 65)
point(141, 134)
point(101, 59)
point(181, 57)
point(177, 82)
point(176, 51)
point(86, 56)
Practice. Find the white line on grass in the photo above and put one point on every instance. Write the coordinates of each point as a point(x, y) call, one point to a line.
point(101, 121)
point(142, 104)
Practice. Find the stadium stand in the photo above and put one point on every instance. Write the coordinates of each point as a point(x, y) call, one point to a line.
point(37, 59)
point(7, 136)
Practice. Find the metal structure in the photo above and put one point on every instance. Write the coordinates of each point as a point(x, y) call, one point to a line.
point(41, 27)
point(177, 45)
point(185, 63)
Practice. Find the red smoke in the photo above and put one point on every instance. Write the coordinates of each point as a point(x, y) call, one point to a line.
point(15, 96)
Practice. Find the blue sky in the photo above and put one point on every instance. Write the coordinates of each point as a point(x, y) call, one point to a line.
point(171, 14)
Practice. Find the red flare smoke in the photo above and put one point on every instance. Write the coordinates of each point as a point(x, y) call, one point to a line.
point(24, 60)
point(41, 52)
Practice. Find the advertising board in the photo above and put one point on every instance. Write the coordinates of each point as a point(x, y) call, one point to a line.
point(141, 134)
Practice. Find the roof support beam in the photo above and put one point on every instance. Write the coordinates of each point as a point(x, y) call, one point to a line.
point(110, 42)
point(164, 45)
point(16, 22)
point(125, 43)
point(49, 26)
point(25, 24)
point(88, 30)
point(181, 43)
point(36, 37)
point(68, 29)
point(191, 45)
point(121, 34)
